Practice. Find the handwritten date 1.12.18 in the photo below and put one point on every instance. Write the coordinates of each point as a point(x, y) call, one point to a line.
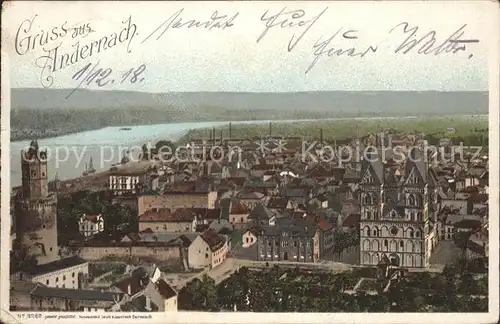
point(92, 74)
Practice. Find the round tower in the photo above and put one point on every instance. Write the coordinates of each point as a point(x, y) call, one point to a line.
point(36, 208)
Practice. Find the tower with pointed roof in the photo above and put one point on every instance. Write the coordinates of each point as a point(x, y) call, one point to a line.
point(395, 222)
point(36, 208)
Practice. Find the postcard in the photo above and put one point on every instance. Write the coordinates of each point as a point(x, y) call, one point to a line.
point(247, 162)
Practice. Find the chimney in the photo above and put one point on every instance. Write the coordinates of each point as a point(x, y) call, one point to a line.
point(129, 290)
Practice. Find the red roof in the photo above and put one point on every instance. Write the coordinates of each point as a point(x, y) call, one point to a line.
point(321, 222)
point(351, 220)
point(92, 218)
point(478, 198)
point(239, 208)
point(206, 213)
point(166, 215)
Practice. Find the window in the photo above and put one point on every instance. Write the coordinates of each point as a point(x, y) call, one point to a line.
point(47, 282)
point(411, 200)
point(374, 232)
point(394, 231)
point(411, 233)
point(268, 243)
point(247, 240)
point(241, 220)
point(386, 244)
point(367, 231)
point(417, 234)
point(57, 279)
point(294, 243)
point(64, 286)
point(64, 277)
point(206, 255)
point(401, 244)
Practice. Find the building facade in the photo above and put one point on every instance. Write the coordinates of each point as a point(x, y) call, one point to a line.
point(289, 241)
point(36, 209)
point(90, 225)
point(209, 249)
point(395, 213)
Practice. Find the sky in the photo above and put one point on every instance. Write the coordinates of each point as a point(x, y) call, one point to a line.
point(197, 59)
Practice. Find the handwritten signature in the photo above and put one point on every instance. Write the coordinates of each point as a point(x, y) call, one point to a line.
point(289, 19)
point(91, 74)
point(176, 21)
point(322, 47)
point(428, 44)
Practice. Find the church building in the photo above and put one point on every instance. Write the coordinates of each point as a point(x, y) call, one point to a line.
point(397, 211)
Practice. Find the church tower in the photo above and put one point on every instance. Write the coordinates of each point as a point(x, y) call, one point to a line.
point(394, 222)
point(36, 208)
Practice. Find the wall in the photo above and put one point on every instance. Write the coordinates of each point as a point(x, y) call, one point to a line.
point(65, 278)
point(248, 239)
point(157, 252)
point(238, 219)
point(171, 304)
point(278, 248)
point(174, 201)
point(36, 227)
point(220, 255)
point(199, 254)
point(168, 226)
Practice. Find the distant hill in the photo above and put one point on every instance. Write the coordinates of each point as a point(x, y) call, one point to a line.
point(385, 103)
point(38, 113)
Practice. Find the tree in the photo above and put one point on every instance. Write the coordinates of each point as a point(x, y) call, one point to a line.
point(165, 147)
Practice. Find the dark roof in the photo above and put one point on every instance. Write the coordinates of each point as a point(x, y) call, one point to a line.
point(468, 223)
point(137, 281)
point(351, 220)
point(214, 240)
point(296, 227)
point(55, 266)
point(207, 213)
point(261, 212)
point(42, 291)
point(165, 290)
point(277, 203)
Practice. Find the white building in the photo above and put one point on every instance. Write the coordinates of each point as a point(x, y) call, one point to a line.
point(71, 273)
point(90, 225)
point(129, 180)
point(395, 213)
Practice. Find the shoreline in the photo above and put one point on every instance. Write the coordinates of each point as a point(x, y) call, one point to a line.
point(238, 122)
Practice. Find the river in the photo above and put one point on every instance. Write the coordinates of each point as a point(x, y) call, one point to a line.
point(68, 154)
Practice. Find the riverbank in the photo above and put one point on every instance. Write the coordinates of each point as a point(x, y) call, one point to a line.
point(438, 126)
point(106, 146)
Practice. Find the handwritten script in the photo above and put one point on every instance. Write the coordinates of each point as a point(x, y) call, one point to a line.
point(54, 58)
point(216, 20)
point(295, 25)
point(92, 74)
